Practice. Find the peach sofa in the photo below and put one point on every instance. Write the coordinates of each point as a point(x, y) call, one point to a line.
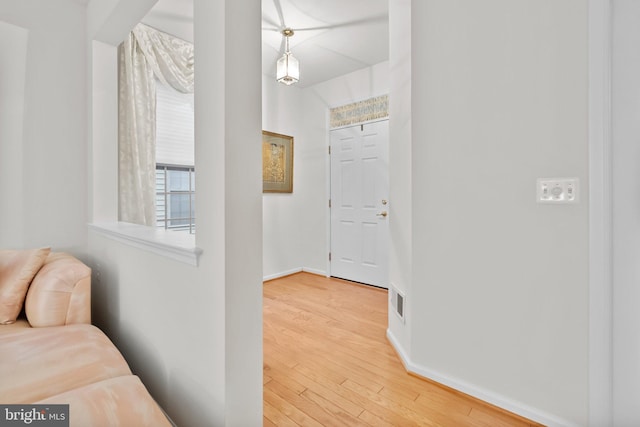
point(53, 355)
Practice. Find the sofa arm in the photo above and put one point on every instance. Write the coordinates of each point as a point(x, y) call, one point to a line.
point(60, 293)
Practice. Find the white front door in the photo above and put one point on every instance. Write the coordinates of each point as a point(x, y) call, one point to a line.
point(359, 203)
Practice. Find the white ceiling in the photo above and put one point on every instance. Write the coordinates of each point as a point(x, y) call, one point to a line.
point(332, 37)
point(173, 17)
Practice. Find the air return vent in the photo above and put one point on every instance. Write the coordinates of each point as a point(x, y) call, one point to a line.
point(397, 302)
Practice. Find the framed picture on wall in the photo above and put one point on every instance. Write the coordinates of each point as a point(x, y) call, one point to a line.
point(277, 163)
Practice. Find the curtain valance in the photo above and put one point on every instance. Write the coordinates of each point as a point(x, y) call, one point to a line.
point(145, 55)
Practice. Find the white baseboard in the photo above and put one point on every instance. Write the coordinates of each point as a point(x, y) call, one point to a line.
point(478, 392)
point(281, 274)
point(315, 271)
point(294, 271)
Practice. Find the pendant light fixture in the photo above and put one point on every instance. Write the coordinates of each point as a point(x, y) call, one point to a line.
point(288, 68)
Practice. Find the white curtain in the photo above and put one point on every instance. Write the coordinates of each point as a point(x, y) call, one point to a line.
point(145, 55)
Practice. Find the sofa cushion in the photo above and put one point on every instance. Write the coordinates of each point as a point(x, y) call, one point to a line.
point(60, 293)
point(20, 323)
point(122, 401)
point(17, 269)
point(41, 362)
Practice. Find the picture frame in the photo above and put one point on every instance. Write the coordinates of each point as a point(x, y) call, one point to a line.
point(277, 163)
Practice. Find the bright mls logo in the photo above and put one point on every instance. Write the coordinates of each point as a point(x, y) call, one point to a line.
point(34, 415)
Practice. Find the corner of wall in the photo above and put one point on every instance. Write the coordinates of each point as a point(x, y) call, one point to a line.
point(474, 391)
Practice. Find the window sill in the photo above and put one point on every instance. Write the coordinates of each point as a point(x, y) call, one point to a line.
point(175, 245)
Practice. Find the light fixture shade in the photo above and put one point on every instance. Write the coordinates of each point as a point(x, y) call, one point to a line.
point(288, 69)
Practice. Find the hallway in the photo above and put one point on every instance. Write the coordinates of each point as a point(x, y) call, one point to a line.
point(327, 362)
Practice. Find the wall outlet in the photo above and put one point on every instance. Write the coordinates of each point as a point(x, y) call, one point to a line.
point(558, 190)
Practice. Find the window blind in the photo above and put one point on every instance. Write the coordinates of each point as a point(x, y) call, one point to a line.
point(174, 127)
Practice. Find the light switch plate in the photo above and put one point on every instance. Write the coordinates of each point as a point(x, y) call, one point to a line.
point(558, 190)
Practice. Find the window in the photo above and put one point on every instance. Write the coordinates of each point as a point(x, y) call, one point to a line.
point(175, 198)
point(174, 126)
point(147, 159)
point(175, 174)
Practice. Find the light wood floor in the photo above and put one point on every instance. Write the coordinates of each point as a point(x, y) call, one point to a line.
point(327, 362)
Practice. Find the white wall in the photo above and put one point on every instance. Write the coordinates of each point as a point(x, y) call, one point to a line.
point(357, 86)
point(106, 19)
point(626, 212)
point(400, 172)
point(498, 298)
point(167, 319)
point(288, 247)
point(193, 334)
point(103, 131)
point(45, 146)
point(13, 62)
point(296, 225)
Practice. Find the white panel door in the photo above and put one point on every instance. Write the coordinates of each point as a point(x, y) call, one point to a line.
point(359, 203)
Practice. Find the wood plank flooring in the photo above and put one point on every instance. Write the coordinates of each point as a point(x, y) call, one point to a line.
point(327, 362)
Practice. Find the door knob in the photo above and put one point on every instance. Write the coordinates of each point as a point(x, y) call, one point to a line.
point(383, 214)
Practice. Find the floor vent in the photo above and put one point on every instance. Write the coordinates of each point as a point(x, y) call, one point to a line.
point(397, 302)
